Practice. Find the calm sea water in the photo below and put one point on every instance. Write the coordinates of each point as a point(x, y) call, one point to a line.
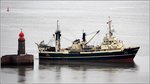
point(130, 20)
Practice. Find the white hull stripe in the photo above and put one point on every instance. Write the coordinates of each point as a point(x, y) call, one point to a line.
point(84, 52)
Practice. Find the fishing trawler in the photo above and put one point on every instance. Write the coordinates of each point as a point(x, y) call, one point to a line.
point(110, 50)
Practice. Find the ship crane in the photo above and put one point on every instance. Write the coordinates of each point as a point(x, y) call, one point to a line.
point(92, 37)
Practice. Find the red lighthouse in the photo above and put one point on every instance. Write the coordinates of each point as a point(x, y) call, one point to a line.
point(21, 44)
point(21, 57)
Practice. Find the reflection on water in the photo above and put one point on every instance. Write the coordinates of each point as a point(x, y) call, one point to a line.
point(82, 71)
point(22, 74)
point(21, 70)
point(46, 71)
point(78, 65)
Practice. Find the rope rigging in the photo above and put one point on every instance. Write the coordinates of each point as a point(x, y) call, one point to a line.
point(66, 39)
point(51, 40)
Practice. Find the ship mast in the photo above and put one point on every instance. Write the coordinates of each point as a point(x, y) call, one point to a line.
point(109, 24)
point(57, 38)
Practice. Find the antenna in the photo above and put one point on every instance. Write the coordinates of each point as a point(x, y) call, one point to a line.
point(21, 29)
point(83, 31)
point(57, 25)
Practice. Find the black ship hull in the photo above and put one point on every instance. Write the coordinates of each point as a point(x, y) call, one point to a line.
point(126, 55)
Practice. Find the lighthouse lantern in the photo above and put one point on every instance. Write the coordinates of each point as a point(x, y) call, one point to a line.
point(21, 44)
